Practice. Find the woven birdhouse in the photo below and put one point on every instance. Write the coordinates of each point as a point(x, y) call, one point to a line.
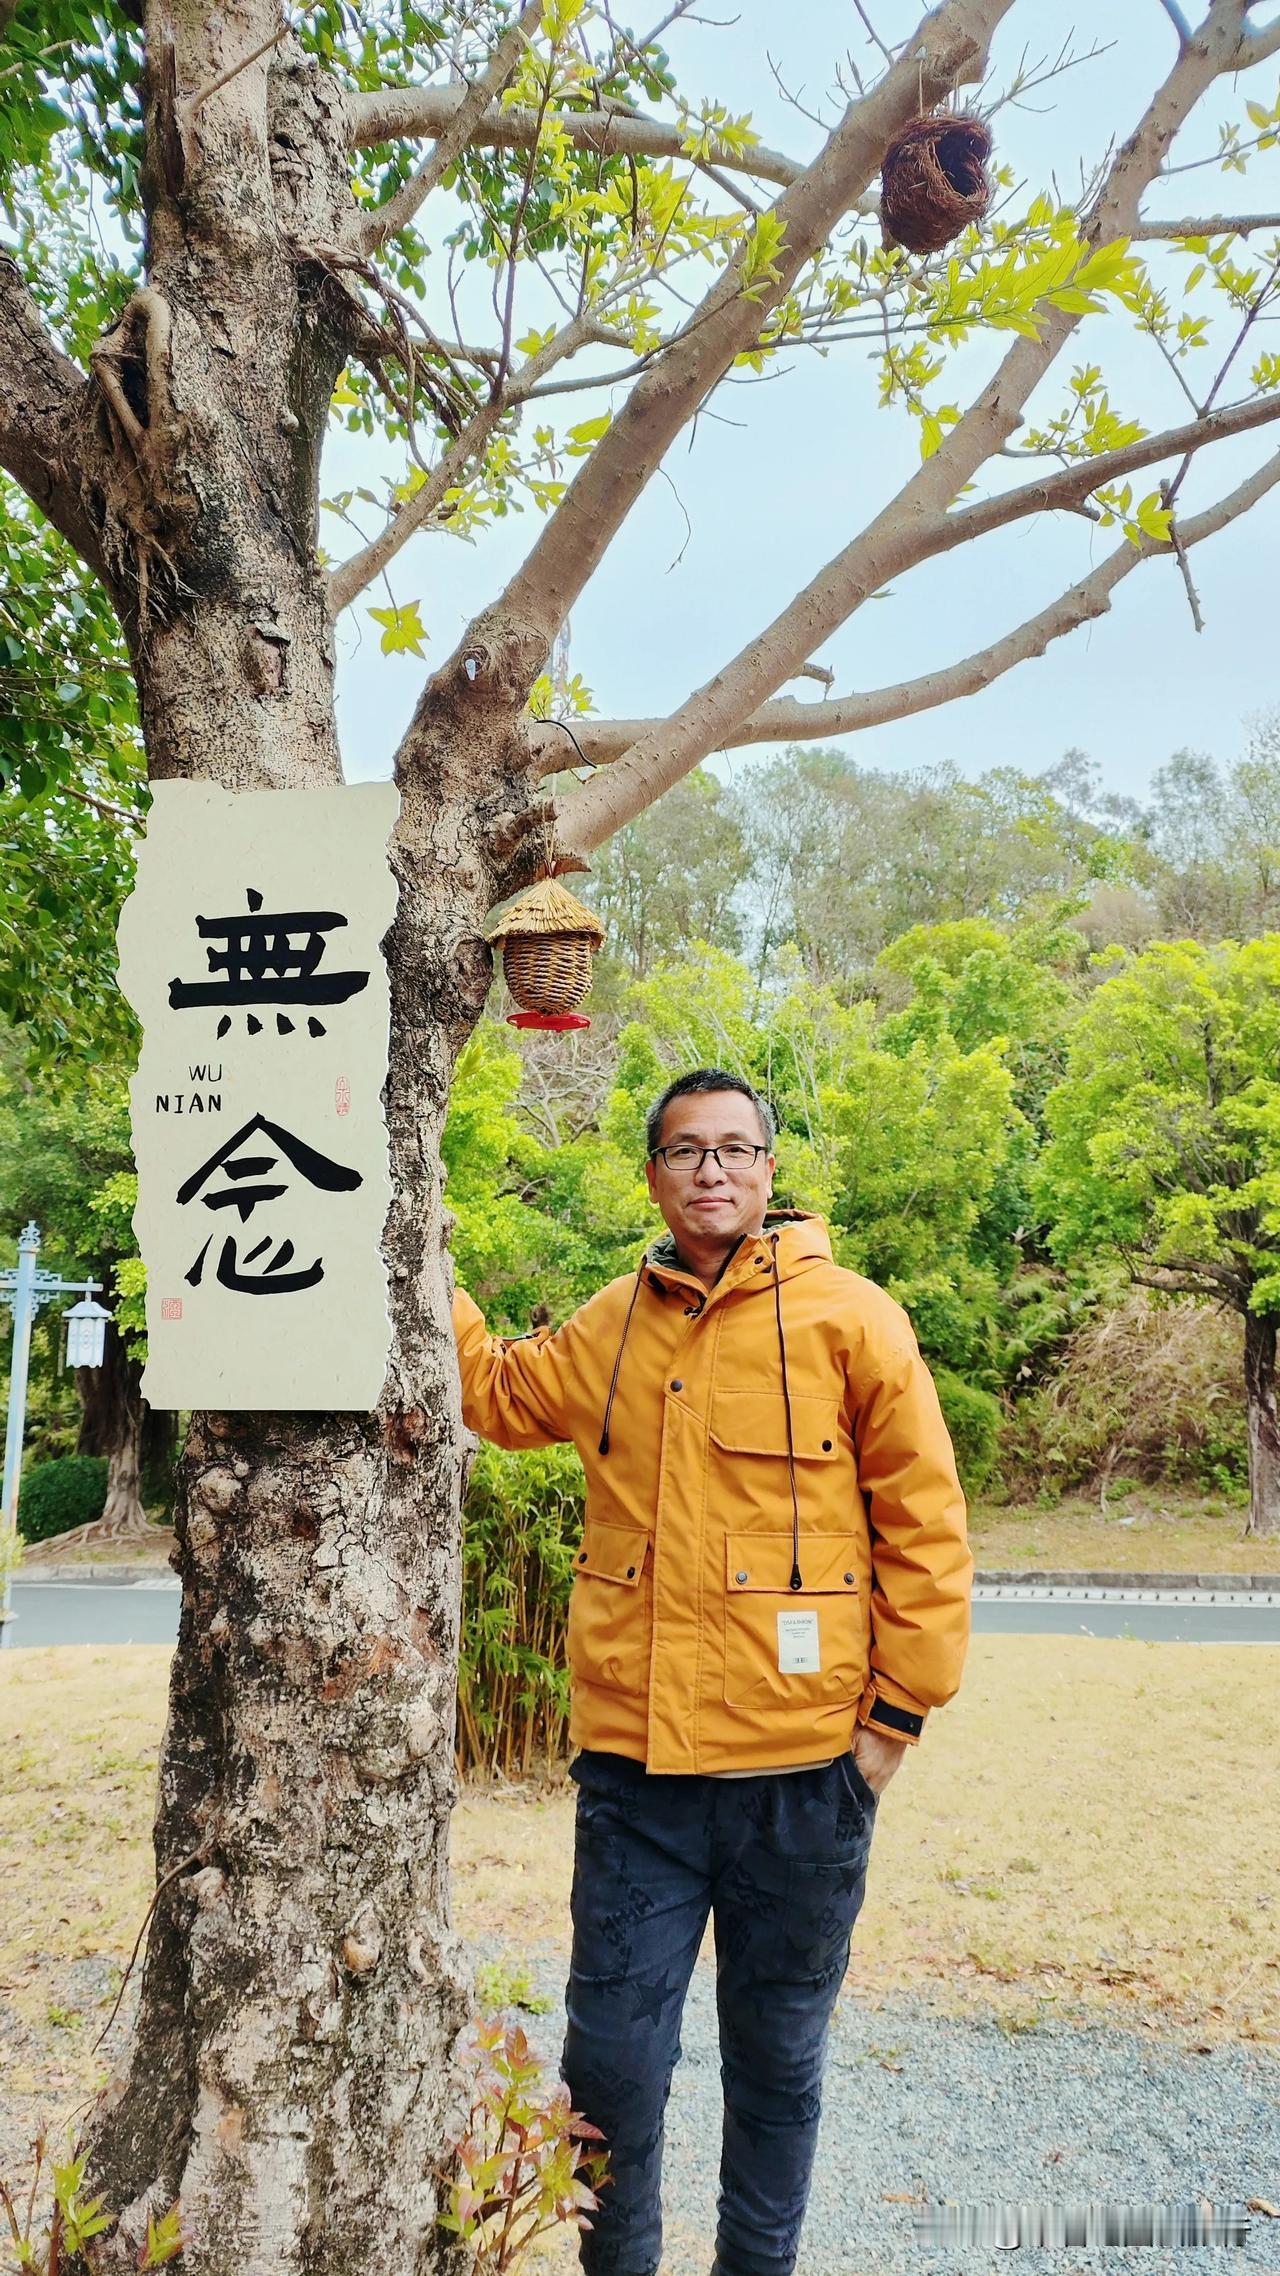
point(934, 181)
point(547, 939)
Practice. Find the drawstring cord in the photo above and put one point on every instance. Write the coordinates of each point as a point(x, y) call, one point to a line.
point(626, 1328)
point(795, 1581)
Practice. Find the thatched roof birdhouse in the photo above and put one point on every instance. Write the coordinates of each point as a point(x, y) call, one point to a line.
point(547, 939)
point(934, 181)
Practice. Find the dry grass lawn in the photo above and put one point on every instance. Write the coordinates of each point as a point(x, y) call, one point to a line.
point(1146, 1530)
point(1085, 1832)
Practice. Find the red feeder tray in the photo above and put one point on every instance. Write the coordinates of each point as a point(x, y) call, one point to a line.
point(559, 1021)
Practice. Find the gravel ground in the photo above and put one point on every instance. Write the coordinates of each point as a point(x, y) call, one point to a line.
point(919, 2105)
point(975, 2115)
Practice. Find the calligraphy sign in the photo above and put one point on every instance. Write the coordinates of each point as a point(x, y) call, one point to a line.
point(250, 951)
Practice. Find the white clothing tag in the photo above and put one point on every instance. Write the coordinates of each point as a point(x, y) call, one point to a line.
point(798, 1644)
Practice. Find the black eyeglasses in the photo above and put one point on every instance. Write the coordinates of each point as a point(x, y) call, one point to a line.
point(734, 1156)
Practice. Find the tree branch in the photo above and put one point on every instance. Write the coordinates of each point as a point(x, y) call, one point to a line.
point(43, 414)
point(1215, 225)
point(790, 721)
point(894, 543)
point(917, 523)
point(1176, 17)
point(351, 578)
point(1074, 484)
point(456, 132)
point(394, 114)
point(1257, 47)
point(950, 45)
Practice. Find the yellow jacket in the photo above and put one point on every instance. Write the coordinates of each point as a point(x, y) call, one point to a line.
point(779, 1429)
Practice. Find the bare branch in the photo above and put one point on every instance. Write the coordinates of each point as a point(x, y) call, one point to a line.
point(1256, 47)
point(42, 414)
point(897, 540)
point(917, 522)
point(1179, 544)
point(393, 114)
point(460, 128)
point(1074, 484)
point(790, 721)
point(1214, 225)
point(352, 577)
point(103, 807)
point(196, 104)
point(950, 44)
point(1178, 20)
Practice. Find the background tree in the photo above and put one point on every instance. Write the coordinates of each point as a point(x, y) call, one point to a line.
point(1166, 1151)
point(165, 407)
point(65, 1160)
point(672, 876)
point(1215, 835)
point(844, 860)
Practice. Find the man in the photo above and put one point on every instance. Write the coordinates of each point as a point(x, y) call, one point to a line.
point(771, 1592)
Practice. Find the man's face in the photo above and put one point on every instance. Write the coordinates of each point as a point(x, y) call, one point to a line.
point(712, 1203)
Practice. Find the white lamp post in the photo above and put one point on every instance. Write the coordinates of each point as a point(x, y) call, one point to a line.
point(24, 1291)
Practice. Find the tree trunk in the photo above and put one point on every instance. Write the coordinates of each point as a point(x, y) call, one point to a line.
point(1264, 1424)
point(288, 2073)
point(111, 1424)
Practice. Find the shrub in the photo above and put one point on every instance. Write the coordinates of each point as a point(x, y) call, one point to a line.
point(1152, 1390)
point(524, 2165)
point(57, 1496)
point(974, 1418)
point(521, 1520)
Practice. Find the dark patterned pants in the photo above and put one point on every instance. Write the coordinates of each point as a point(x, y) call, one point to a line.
point(780, 1863)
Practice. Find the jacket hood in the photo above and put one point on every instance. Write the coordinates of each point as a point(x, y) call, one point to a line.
point(803, 1241)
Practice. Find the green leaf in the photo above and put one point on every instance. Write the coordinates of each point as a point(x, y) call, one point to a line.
point(581, 438)
point(403, 630)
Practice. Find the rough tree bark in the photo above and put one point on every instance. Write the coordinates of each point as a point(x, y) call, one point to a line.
point(288, 2073)
point(1264, 1423)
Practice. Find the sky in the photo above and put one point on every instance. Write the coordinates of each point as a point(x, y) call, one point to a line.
point(782, 474)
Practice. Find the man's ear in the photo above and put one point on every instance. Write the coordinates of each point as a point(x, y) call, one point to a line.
point(651, 1179)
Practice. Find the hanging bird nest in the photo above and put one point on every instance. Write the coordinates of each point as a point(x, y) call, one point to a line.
point(934, 181)
point(548, 939)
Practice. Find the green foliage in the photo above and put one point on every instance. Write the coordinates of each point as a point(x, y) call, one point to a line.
point(61, 1148)
point(672, 877)
point(55, 1497)
point(1165, 1143)
point(44, 2243)
point(521, 1520)
point(536, 1223)
point(524, 2166)
point(845, 861)
point(72, 796)
point(975, 1419)
point(508, 1983)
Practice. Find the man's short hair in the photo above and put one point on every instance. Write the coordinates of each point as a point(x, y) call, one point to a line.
point(706, 1079)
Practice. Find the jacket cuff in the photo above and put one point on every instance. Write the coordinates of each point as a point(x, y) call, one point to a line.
point(886, 1707)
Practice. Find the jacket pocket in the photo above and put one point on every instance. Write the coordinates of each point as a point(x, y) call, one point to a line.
point(755, 1422)
point(748, 1470)
point(785, 1646)
point(611, 1608)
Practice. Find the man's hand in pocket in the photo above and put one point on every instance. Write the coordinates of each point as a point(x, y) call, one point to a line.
point(877, 1757)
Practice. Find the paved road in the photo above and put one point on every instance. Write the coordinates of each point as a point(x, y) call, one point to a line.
point(146, 1612)
point(93, 1612)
